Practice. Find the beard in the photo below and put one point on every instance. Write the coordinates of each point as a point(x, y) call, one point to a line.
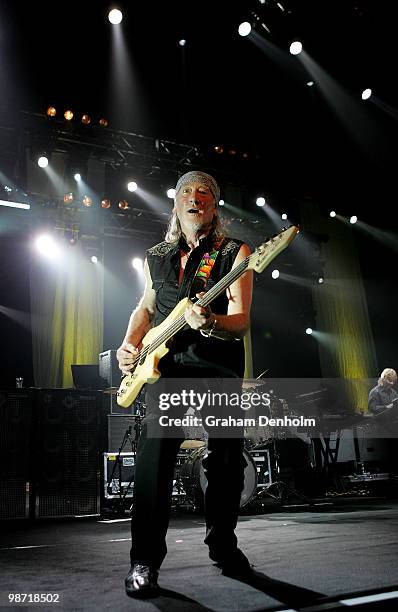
point(198, 225)
point(195, 226)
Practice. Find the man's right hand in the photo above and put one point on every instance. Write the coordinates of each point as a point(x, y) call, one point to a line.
point(126, 355)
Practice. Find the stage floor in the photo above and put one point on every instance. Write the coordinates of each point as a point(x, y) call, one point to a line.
point(335, 552)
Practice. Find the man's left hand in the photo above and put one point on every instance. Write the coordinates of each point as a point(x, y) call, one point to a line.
point(198, 317)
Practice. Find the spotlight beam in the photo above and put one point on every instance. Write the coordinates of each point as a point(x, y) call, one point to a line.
point(14, 204)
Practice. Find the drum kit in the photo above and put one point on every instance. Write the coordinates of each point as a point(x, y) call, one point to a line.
point(189, 483)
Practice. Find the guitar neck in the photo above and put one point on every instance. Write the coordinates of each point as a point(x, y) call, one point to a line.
point(222, 284)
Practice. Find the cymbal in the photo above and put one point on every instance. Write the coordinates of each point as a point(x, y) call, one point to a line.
point(192, 444)
point(252, 384)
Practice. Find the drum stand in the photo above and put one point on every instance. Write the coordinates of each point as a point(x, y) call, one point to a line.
point(281, 492)
point(278, 489)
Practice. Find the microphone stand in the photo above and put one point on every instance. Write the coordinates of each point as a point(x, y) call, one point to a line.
point(139, 415)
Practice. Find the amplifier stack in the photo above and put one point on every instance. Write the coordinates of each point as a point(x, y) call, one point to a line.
point(49, 453)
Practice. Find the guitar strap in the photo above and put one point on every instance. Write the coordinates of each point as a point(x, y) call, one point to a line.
point(206, 265)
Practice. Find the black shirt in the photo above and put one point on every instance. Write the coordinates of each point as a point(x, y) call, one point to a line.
point(188, 347)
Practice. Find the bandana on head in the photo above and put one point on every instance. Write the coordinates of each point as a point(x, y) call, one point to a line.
point(197, 175)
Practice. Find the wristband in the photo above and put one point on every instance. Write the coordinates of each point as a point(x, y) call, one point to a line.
point(208, 332)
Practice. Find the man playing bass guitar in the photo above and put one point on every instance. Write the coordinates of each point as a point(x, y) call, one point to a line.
point(195, 255)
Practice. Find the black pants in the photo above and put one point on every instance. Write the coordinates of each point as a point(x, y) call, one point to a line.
point(224, 465)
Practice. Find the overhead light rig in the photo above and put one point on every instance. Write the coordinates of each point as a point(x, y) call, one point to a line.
point(150, 156)
point(105, 222)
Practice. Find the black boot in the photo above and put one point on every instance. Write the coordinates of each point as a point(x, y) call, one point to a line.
point(141, 581)
point(234, 564)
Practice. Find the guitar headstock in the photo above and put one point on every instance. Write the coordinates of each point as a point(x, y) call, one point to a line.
point(265, 253)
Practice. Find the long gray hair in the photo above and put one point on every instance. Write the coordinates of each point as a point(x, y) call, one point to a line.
point(174, 231)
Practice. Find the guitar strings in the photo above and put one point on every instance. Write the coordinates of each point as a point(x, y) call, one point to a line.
point(210, 296)
point(204, 301)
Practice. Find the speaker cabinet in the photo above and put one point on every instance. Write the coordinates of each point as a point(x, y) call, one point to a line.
point(67, 453)
point(15, 464)
point(109, 369)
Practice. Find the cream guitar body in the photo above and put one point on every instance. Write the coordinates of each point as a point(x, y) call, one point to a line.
point(154, 344)
point(148, 372)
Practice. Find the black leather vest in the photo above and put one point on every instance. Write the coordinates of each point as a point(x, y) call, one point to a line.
point(189, 348)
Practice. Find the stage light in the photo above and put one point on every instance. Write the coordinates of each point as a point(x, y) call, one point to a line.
point(51, 111)
point(221, 202)
point(87, 201)
point(320, 280)
point(296, 47)
point(171, 193)
point(68, 197)
point(47, 246)
point(310, 83)
point(353, 219)
point(94, 259)
point(78, 177)
point(68, 114)
point(366, 94)
point(115, 16)
point(244, 28)
point(260, 201)
point(308, 331)
point(275, 274)
point(182, 42)
point(124, 205)
point(137, 264)
point(42, 161)
point(103, 122)
point(132, 186)
point(219, 149)
point(86, 119)
point(332, 213)
point(284, 216)
point(105, 203)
